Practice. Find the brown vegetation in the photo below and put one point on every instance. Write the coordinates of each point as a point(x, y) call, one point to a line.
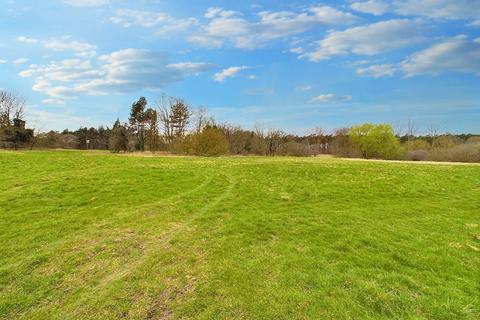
point(174, 126)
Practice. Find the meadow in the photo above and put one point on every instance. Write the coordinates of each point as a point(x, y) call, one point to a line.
point(92, 235)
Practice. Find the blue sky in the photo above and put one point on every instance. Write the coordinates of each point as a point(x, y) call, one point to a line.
point(282, 64)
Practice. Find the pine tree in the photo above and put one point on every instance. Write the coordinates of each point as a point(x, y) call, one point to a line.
point(119, 137)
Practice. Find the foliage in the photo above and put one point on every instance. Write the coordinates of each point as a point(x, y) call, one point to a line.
point(375, 141)
point(183, 136)
point(209, 142)
point(342, 145)
point(119, 137)
point(99, 236)
point(469, 152)
point(144, 125)
point(174, 116)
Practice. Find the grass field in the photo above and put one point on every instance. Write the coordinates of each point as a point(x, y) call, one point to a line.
point(86, 235)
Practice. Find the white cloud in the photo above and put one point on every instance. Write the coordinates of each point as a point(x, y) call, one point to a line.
point(119, 72)
point(86, 3)
point(45, 120)
point(53, 101)
point(27, 40)
point(445, 9)
point(375, 7)
point(231, 27)
point(297, 50)
point(3, 61)
point(191, 67)
point(368, 40)
point(63, 71)
point(305, 88)
point(219, 12)
point(457, 54)
point(448, 9)
point(377, 71)
point(228, 73)
point(20, 61)
point(147, 19)
point(252, 77)
point(330, 98)
point(81, 49)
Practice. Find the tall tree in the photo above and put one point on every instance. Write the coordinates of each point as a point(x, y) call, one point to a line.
point(152, 138)
point(119, 137)
point(175, 116)
point(137, 122)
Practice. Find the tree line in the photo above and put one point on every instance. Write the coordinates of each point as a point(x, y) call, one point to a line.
point(173, 126)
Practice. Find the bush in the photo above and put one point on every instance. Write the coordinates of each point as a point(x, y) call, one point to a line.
point(209, 142)
point(417, 155)
point(469, 152)
point(417, 144)
point(376, 141)
point(342, 146)
point(295, 149)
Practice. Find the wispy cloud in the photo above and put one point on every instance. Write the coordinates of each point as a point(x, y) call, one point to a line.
point(52, 101)
point(228, 73)
point(444, 9)
point(164, 23)
point(378, 71)
point(330, 98)
point(121, 71)
point(368, 40)
point(27, 40)
point(81, 49)
point(20, 61)
point(457, 54)
point(305, 88)
point(226, 26)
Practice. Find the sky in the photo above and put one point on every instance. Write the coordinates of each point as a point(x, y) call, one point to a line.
point(294, 65)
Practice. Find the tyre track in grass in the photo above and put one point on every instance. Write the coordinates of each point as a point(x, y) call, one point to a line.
point(169, 236)
point(63, 243)
point(101, 289)
point(77, 236)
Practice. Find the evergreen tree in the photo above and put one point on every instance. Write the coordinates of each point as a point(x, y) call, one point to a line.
point(119, 137)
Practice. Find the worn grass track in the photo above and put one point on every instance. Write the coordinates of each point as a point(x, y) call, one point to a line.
point(90, 235)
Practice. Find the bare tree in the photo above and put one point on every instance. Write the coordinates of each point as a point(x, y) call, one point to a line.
point(274, 138)
point(432, 134)
point(238, 139)
point(11, 107)
point(410, 131)
point(13, 132)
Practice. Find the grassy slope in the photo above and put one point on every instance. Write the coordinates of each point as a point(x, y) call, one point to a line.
point(91, 235)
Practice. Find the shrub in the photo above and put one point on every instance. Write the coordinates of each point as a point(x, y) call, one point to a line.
point(417, 155)
point(295, 149)
point(417, 144)
point(342, 145)
point(209, 142)
point(469, 152)
point(376, 141)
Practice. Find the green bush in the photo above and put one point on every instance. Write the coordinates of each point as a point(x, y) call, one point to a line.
point(210, 142)
point(376, 141)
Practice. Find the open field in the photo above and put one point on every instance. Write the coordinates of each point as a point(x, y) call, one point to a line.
point(90, 235)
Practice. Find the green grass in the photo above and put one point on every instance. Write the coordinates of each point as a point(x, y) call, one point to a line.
point(89, 235)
